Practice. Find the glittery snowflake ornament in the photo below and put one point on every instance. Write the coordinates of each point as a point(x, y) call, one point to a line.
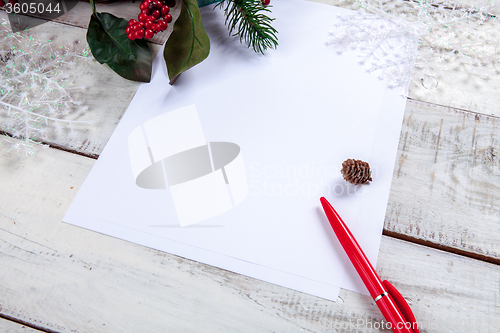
point(387, 32)
point(35, 91)
point(387, 48)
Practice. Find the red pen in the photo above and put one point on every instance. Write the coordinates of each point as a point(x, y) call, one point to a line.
point(391, 303)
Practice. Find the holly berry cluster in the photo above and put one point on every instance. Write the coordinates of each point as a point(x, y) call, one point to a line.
point(153, 18)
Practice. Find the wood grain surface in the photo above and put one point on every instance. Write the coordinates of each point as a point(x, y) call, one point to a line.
point(445, 194)
point(7, 326)
point(105, 94)
point(69, 279)
point(446, 184)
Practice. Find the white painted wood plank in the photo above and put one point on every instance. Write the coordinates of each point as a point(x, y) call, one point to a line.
point(446, 185)
point(7, 326)
point(458, 85)
point(70, 279)
point(106, 95)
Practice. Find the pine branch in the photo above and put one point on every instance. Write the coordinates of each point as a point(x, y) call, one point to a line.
point(245, 18)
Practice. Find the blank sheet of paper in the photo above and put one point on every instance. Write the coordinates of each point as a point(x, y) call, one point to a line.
point(227, 166)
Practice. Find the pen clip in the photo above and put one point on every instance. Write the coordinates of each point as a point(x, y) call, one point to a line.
point(402, 305)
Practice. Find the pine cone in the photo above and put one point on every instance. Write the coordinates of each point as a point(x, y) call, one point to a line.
point(356, 171)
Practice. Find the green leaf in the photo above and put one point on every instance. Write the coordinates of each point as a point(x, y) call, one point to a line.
point(188, 45)
point(109, 44)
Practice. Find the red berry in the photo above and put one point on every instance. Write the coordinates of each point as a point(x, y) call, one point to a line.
point(148, 33)
point(170, 3)
point(140, 25)
point(131, 36)
point(266, 2)
point(162, 24)
point(146, 11)
point(143, 6)
point(149, 24)
point(158, 3)
point(139, 34)
point(168, 18)
point(132, 22)
point(127, 31)
point(151, 18)
point(146, 3)
point(137, 26)
point(156, 14)
point(165, 10)
point(152, 6)
point(142, 17)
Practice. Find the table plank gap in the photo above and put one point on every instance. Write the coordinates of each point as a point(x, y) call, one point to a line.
point(441, 247)
point(57, 146)
point(457, 109)
point(27, 324)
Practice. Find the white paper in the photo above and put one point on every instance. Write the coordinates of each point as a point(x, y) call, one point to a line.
point(296, 114)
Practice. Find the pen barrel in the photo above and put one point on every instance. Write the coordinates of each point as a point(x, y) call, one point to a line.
point(358, 258)
point(367, 273)
point(393, 316)
point(362, 265)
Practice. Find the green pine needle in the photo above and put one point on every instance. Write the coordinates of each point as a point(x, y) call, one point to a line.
point(246, 19)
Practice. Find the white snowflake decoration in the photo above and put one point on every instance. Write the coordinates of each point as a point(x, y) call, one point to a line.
point(386, 47)
point(443, 31)
point(34, 88)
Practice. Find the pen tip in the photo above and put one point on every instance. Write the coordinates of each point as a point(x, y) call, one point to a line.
point(326, 205)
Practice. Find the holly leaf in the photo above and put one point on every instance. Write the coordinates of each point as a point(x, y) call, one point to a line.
point(110, 45)
point(188, 45)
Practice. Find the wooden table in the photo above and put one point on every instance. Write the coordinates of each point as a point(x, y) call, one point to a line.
point(440, 246)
